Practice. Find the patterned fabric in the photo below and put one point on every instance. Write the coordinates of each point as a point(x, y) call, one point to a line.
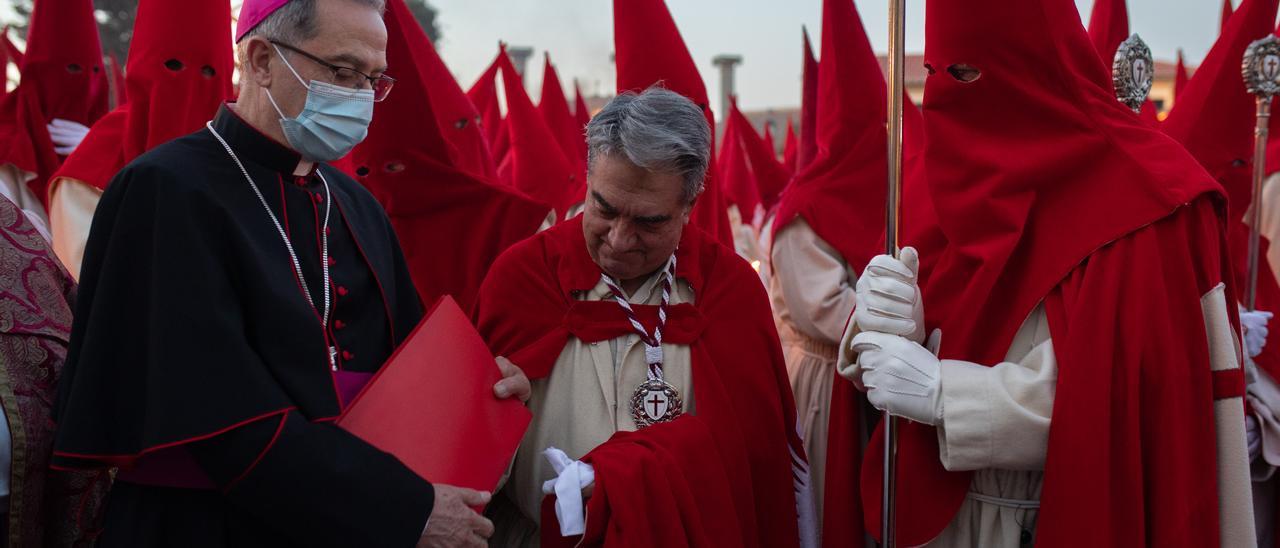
point(36, 294)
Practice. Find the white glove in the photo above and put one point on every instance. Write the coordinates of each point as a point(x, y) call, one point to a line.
point(888, 297)
point(1253, 437)
point(66, 135)
point(1255, 330)
point(900, 376)
point(573, 477)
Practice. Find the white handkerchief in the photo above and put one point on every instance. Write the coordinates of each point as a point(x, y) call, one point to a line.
point(573, 476)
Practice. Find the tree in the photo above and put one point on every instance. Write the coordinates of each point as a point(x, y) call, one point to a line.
point(115, 21)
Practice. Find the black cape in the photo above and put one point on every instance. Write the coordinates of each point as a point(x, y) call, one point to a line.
point(193, 336)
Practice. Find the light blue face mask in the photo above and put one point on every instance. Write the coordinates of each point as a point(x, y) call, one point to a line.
point(332, 122)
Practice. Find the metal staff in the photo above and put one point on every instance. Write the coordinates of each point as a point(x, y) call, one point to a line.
point(1261, 71)
point(896, 61)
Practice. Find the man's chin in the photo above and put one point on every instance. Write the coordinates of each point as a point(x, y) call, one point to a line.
point(618, 270)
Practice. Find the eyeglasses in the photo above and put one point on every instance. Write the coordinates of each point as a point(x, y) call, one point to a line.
point(348, 77)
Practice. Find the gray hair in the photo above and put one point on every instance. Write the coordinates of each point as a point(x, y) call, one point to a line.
point(658, 130)
point(293, 23)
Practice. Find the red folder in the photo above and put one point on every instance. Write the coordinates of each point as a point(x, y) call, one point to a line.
point(432, 405)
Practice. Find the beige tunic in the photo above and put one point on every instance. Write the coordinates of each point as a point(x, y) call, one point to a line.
point(996, 423)
point(71, 206)
point(13, 185)
point(1270, 225)
point(1264, 399)
point(812, 289)
point(745, 240)
point(584, 401)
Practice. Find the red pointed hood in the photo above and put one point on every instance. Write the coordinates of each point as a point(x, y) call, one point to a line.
point(580, 111)
point(649, 50)
point(62, 77)
point(177, 76)
point(484, 96)
point(770, 176)
point(554, 108)
point(408, 165)
point(538, 167)
point(808, 107)
point(456, 116)
point(790, 147)
point(15, 55)
point(117, 81)
point(841, 193)
point(1214, 116)
point(736, 179)
point(1108, 27)
point(1179, 78)
point(63, 61)
point(1226, 15)
point(768, 137)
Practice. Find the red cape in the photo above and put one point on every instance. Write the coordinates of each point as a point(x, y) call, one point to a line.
point(406, 163)
point(527, 311)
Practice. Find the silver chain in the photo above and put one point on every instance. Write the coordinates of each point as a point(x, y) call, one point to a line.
point(324, 238)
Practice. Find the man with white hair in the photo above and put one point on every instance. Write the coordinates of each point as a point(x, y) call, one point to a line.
point(659, 388)
point(236, 294)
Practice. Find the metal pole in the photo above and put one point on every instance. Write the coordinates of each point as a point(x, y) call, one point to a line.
point(1261, 71)
point(897, 8)
point(1255, 208)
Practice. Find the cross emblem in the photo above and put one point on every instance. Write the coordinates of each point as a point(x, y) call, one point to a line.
point(1272, 67)
point(656, 402)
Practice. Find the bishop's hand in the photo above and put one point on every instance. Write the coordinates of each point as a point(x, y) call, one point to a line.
point(514, 383)
point(888, 297)
point(453, 521)
point(900, 376)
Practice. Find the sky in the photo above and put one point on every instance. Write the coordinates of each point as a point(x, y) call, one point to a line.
point(579, 36)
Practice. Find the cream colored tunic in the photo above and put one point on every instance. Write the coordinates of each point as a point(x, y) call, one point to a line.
point(745, 240)
point(996, 423)
point(812, 289)
point(585, 400)
point(71, 206)
point(1270, 225)
point(13, 185)
point(1264, 399)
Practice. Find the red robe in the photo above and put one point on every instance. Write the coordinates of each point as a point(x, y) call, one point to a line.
point(745, 422)
point(1049, 191)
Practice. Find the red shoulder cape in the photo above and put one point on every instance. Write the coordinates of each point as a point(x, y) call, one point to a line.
point(526, 311)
